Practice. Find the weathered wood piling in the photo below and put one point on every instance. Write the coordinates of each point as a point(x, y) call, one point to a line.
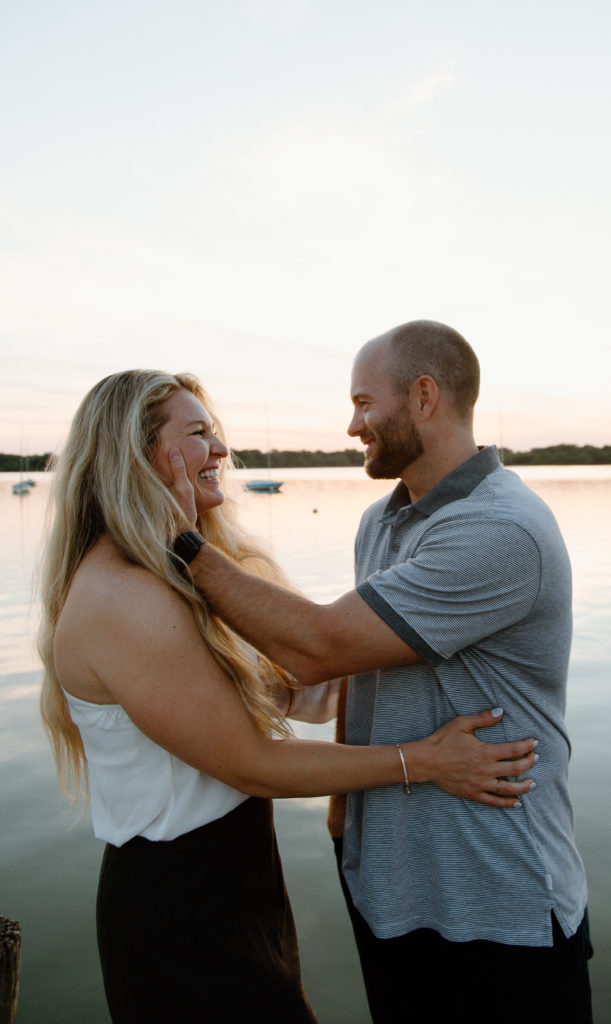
point(10, 959)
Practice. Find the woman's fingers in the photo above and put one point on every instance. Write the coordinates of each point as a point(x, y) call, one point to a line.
point(483, 771)
point(517, 767)
point(505, 787)
point(504, 793)
point(498, 801)
point(500, 792)
point(482, 720)
point(513, 749)
point(499, 788)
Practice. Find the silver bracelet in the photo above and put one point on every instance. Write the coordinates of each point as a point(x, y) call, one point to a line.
point(406, 788)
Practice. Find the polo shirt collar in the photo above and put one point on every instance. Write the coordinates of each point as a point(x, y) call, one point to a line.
point(456, 485)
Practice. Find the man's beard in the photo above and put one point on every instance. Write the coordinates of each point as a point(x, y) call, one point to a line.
point(397, 446)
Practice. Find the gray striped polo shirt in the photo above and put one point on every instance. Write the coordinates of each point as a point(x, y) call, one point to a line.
point(475, 577)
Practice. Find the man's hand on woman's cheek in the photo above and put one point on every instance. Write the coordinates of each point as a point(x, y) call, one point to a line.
point(181, 489)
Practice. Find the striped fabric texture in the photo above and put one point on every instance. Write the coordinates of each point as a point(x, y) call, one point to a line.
point(475, 577)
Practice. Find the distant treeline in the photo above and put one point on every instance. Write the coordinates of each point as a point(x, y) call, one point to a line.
point(28, 463)
point(560, 455)
point(556, 455)
point(252, 458)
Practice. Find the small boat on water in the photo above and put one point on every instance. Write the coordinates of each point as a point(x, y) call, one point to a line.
point(264, 486)
point(23, 487)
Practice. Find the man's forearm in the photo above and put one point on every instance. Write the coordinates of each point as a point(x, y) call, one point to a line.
point(285, 626)
point(313, 642)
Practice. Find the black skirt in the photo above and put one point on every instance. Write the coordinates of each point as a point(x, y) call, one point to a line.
point(200, 929)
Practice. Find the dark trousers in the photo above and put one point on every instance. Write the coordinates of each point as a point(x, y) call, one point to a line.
point(200, 929)
point(423, 977)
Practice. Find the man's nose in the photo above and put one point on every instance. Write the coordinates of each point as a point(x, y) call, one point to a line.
point(356, 424)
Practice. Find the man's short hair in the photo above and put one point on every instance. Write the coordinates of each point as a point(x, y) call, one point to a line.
point(427, 347)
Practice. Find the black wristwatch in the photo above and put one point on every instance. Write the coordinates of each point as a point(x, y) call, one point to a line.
point(186, 547)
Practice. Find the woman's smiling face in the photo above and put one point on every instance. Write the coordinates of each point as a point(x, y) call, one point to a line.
point(188, 426)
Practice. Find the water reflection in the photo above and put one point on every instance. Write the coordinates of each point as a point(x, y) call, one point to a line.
point(45, 854)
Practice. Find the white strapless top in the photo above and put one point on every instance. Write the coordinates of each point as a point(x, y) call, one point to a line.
point(138, 788)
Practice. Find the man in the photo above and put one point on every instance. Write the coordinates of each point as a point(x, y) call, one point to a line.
point(463, 601)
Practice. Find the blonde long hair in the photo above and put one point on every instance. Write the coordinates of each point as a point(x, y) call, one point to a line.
point(105, 483)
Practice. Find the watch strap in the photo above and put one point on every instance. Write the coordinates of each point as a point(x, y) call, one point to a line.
point(186, 547)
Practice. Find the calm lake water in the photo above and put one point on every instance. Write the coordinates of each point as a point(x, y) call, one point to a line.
point(48, 858)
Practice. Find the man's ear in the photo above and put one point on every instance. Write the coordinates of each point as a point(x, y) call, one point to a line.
point(425, 391)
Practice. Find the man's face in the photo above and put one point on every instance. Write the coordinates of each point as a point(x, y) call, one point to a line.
point(382, 419)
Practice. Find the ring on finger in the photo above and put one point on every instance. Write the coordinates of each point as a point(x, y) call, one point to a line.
point(499, 786)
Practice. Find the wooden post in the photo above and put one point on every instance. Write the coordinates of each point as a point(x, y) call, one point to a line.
point(10, 957)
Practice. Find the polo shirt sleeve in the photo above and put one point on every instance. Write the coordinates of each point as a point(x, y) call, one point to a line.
point(467, 580)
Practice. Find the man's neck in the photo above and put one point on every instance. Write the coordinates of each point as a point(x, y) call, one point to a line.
point(434, 465)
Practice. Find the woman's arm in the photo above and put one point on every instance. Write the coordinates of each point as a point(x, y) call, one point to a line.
point(145, 648)
point(314, 704)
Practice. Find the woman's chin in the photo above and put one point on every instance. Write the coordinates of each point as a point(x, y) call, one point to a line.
point(207, 498)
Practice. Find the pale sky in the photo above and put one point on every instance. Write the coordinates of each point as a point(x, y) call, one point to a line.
point(250, 189)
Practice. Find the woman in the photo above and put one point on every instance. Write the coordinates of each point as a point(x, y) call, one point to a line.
point(171, 719)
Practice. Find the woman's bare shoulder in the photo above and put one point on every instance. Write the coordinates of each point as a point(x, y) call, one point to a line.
point(108, 587)
point(116, 613)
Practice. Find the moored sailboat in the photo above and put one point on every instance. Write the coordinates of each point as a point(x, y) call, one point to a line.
point(265, 486)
